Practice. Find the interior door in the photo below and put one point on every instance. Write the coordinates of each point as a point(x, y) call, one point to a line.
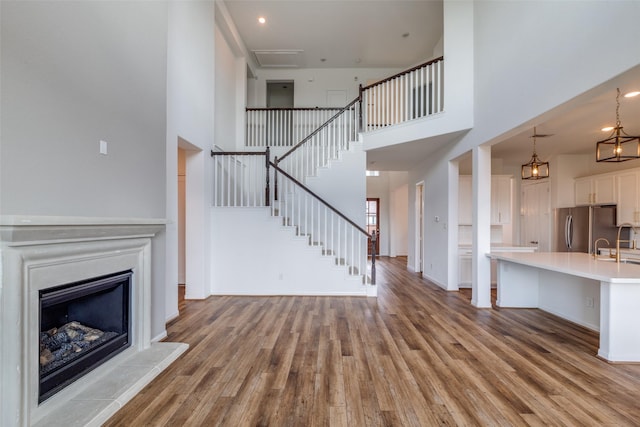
point(535, 222)
point(373, 222)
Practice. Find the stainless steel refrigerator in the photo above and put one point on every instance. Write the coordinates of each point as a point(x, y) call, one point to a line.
point(577, 228)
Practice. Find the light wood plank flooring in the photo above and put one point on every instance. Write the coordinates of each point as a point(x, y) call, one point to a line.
point(415, 356)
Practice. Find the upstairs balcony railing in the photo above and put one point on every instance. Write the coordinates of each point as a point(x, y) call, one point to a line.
point(322, 133)
point(283, 127)
point(412, 94)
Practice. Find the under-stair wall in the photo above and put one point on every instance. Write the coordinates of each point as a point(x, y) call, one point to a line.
point(255, 254)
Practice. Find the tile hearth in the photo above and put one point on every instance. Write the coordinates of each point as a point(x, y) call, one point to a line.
point(42, 252)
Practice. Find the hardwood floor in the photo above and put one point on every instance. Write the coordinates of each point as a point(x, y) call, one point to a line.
point(415, 356)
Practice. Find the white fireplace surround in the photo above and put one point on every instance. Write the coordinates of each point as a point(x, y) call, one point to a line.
point(41, 252)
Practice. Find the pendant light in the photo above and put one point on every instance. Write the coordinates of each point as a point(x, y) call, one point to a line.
point(535, 169)
point(618, 147)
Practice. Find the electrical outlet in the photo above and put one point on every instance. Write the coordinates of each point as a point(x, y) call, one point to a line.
point(590, 302)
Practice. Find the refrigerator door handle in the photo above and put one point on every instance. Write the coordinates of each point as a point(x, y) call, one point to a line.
point(570, 232)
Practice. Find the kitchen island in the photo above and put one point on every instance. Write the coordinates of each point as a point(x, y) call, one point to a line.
point(599, 294)
point(465, 252)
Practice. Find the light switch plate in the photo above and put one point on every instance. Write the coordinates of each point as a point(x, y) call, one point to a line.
point(103, 147)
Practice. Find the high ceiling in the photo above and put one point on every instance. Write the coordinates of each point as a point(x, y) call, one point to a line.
point(575, 128)
point(345, 33)
point(369, 33)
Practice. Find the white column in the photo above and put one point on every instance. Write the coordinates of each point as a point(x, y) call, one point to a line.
point(481, 264)
point(452, 231)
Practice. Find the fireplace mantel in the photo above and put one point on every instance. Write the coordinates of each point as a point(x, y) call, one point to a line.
point(38, 252)
point(19, 230)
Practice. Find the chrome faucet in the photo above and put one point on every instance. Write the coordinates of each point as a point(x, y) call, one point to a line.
point(624, 224)
point(595, 246)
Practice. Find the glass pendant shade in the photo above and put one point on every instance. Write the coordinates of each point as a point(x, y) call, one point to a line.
point(618, 147)
point(535, 169)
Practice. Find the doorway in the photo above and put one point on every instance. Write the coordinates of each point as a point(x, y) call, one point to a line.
point(373, 222)
point(419, 248)
point(280, 94)
point(279, 123)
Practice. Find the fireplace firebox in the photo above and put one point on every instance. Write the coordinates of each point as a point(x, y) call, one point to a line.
point(82, 325)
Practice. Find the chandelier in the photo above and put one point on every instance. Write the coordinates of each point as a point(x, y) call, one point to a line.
point(618, 147)
point(535, 169)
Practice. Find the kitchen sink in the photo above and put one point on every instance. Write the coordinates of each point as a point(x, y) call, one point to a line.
point(622, 261)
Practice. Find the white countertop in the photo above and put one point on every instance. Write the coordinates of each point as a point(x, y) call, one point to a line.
point(500, 247)
point(575, 264)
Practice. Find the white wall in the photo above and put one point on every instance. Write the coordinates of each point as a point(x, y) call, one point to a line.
point(75, 73)
point(343, 184)
point(529, 58)
point(276, 263)
point(311, 85)
point(225, 99)
point(399, 205)
point(190, 125)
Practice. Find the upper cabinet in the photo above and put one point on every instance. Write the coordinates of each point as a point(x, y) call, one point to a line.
point(628, 197)
point(500, 200)
point(596, 190)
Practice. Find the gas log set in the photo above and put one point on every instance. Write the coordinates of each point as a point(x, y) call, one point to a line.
point(59, 346)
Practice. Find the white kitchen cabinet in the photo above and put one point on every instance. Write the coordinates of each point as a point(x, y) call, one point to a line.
point(500, 200)
point(465, 200)
point(596, 190)
point(464, 268)
point(628, 189)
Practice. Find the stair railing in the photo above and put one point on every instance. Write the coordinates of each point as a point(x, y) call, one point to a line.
point(283, 127)
point(412, 94)
point(323, 144)
point(241, 178)
point(324, 225)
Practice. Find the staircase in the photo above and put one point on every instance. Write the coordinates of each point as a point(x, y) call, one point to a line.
point(338, 246)
point(293, 236)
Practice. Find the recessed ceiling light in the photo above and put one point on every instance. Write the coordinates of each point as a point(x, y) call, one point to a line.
point(262, 19)
point(607, 129)
point(632, 94)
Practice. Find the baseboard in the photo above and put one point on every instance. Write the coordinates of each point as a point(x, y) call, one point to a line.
point(160, 336)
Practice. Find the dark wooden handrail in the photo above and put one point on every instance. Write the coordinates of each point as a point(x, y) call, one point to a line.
point(402, 73)
point(320, 199)
point(239, 153)
point(315, 132)
point(292, 109)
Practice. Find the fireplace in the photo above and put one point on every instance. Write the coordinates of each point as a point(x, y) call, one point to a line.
point(82, 325)
point(49, 268)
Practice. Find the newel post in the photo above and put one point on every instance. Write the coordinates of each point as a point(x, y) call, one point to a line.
point(360, 109)
point(267, 156)
point(374, 238)
point(275, 179)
